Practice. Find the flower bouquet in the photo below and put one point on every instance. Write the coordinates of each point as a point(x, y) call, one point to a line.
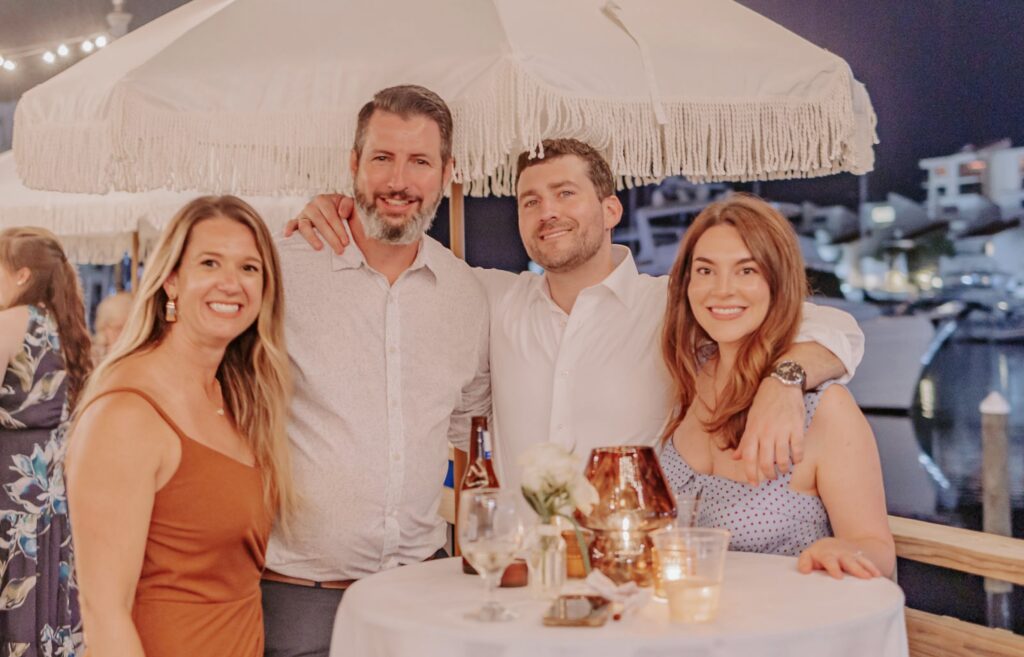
point(554, 486)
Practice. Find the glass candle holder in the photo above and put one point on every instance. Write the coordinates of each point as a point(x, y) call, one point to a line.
point(633, 500)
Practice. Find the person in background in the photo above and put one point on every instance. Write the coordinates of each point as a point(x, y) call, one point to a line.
point(734, 306)
point(178, 460)
point(111, 315)
point(44, 350)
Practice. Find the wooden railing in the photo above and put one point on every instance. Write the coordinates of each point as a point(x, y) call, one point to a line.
point(988, 555)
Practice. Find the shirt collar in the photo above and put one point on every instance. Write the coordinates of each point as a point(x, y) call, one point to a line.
point(353, 257)
point(623, 279)
point(621, 282)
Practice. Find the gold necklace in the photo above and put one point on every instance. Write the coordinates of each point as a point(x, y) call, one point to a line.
point(219, 410)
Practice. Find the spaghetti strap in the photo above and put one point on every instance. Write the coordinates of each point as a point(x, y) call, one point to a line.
point(152, 402)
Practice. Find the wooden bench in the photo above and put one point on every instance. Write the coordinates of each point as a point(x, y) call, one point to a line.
point(988, 555)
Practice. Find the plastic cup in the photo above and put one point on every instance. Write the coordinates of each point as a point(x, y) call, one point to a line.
point(691, 563)
point(686, 516)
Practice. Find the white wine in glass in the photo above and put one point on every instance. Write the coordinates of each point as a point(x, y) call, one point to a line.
point(490, 534)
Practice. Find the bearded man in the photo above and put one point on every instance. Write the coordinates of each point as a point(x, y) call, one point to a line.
point(388, 343)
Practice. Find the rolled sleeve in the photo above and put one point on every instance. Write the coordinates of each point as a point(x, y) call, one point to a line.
point(835, 330)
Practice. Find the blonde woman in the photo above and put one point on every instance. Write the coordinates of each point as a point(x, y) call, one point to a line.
point(44, 352)
point(177, 461)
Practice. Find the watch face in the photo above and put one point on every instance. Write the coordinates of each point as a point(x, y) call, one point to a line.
point(790, 372)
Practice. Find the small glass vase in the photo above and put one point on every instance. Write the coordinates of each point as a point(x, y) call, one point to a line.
point(547, 561)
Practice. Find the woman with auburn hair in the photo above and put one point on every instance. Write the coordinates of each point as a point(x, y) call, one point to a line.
point(44, 349)
point(734, 306)
point(178, 463)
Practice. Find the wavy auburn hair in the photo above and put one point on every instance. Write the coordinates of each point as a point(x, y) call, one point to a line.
point(254, 373)
point(773, 245)
point(53, 285)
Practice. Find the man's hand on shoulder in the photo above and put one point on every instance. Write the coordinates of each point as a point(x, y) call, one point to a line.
point(324, 217)
point(774, 430)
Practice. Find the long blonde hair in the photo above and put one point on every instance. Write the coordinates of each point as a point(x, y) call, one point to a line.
point(774, 247)
point(52, 284)
point(254, 372)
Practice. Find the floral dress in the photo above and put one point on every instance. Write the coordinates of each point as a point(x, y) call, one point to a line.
point(39, 614)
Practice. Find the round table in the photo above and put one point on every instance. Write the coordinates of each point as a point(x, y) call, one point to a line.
point(766, 608)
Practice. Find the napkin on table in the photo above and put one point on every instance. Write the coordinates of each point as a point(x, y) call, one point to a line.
point(630, 596)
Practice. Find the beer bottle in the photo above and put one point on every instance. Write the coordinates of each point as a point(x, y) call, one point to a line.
point(479, 470)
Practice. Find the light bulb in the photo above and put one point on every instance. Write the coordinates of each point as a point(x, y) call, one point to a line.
point(87, 46)
point(101, 41)
point(9, 65)
point(62, 50)
point(49, 57)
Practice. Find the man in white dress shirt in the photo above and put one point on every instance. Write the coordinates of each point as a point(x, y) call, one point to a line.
point(389, 348)
point(575, 352)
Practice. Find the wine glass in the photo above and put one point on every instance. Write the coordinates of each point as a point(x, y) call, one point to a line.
point(490, 534)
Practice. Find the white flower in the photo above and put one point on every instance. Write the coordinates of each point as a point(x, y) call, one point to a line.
point(563, 469)
point(533, 479)
point(584, 495)
point(555, 478)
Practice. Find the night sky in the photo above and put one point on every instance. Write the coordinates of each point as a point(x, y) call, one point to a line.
point(941, 73)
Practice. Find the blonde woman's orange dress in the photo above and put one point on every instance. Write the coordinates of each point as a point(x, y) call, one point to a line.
point(199, 590)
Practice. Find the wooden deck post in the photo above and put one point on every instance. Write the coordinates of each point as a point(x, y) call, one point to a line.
point(134, 280)
point(457, 222)
point(995, 485)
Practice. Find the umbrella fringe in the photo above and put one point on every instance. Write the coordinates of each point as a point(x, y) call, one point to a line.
point(703, 141)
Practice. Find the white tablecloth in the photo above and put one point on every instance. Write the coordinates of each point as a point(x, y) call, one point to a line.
point(767, 608)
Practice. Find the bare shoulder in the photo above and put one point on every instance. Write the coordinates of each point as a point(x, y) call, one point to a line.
point(123, 425)
point(838, 421)
point(13, 324)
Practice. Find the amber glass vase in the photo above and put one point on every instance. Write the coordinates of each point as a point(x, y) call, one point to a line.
point(633, 500)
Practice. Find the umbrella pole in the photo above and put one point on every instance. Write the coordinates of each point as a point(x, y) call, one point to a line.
point(134, 279)
point(457, 222)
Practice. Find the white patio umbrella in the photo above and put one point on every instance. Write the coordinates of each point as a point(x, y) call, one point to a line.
point(101, 228)
point(260, 96)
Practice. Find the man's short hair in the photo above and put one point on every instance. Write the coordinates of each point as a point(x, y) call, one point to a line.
point(598, 171)
point(407, 100)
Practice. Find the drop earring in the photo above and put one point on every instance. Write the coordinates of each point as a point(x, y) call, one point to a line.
point(171, 314)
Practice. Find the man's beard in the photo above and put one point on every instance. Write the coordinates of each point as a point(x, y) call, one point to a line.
point(585, 248)
point(377, 227)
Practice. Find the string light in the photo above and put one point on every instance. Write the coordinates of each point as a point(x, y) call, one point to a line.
point(87, 44)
